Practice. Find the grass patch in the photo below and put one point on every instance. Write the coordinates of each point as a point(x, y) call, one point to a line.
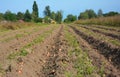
point(13, 55)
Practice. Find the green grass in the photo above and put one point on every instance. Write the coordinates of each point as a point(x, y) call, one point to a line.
point(82, 63)
point(15, 54)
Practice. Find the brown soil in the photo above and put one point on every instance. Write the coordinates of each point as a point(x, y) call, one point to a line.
point(50, 57)
point(15, 45)
point(45, 60)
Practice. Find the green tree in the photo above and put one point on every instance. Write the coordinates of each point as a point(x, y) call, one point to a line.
point(53, 15)
point(100, 13)
point(91, 13)
point(20, 16)
point(59, 17)
point(10, 16)
point(1, 16)
point(47, 11)
point(27, 16)
point(83, 15)
point(35, 13)
point(70, 18)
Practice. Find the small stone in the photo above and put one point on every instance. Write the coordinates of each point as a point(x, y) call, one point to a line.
point(60, 49)
point(20, 71)
point(48, 54)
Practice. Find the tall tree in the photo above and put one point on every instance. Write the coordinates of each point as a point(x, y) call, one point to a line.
point(100, 13)
point(27, 16)
point(47, 11)
point(1, 16)
point(53, 15)
point(20, 16)
point(35, 13)
point(59, 17)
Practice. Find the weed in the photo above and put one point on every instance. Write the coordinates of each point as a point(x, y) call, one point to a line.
point(13, 55)
point(68, 74)
point(101, 71)
point(23, 52)
point(19, 35)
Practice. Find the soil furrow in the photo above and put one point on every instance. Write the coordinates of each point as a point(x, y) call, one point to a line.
point(107, 34)
point(110, 52)
point(14, 46)
point(97, 58)
point(50, 69)
point(107, 28)
point(46, 60)
point(32, 64)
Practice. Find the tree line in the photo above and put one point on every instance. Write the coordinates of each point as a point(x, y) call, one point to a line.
point(34, 16)
point(51, 16)
point(88, 14)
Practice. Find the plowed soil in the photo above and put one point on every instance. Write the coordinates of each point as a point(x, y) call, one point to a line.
point(50, 57)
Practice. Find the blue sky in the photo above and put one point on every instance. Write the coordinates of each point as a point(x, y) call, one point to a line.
point(67, 6)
